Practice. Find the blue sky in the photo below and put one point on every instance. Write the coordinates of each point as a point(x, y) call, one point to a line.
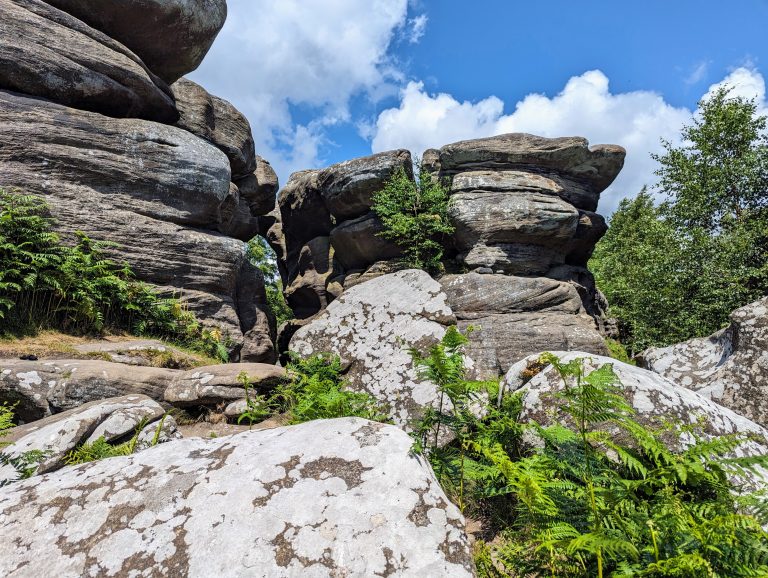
point(327, 80)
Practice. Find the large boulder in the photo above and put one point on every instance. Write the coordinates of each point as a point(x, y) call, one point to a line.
point(370, 328)
point(41, 388)
point(48, 53)
point(343, 497)
point(729, 367)
point(512, 317)
point(156, 191)
point(653, 397)
point(170, 36)
point(116, 419)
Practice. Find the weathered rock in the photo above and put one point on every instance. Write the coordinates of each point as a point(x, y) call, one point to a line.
point(514, 258)
point(47, 53)
point(170, 36)
point(512, 317)
point(370, 328)
point(217, 384)
point(594, 302)
point(342, 497)
point(45, 387)
point(218, 122)
point(653, 397)
point(137, 352)
point(348, 187)
point(42, 388)
point(357, 244)
point(113, 419)
point(590, 230)
point(308, 291)
point(259, 188)
point(729, 367)
point(151, 189)
point(526, 218)
point(473, 296)
point(570, 157)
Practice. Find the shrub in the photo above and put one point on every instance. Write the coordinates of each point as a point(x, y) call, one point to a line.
point(25, 464)
point(582, 503)
point(45, 284)
point(101, 449)
point(316, 390)
point(415, 217)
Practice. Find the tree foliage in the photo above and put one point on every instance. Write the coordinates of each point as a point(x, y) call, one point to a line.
point(677, 270)
point(47, 284)
point(263, 257)
point(415, 217)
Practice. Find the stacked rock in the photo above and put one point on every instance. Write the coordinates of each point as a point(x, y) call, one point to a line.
point(523, 207)
point(328, 234)
point(168, 173)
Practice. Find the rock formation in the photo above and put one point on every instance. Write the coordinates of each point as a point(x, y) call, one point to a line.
point(328, 230)
point(80, 123)
point(342, 497)
point(523, 209)
point(729, 367)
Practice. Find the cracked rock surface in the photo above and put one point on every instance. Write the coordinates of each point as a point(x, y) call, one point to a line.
point(341, 497)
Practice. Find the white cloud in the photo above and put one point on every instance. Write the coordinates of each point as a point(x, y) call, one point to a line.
point(746, 83)
point(586, 107)
point(698, 73)
point(418, 28)
point(312, 53)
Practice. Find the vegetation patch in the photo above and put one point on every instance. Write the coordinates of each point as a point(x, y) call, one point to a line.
point(263, 257)
point(415, 217)
point(578, 502)
point(47, 284)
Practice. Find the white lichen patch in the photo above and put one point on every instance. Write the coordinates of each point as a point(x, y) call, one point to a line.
point(327, 498)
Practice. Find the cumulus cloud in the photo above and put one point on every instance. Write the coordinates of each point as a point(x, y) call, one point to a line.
point(313, 54)
point(585, 107)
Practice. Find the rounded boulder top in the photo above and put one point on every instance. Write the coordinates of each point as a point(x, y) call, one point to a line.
point(170, 36)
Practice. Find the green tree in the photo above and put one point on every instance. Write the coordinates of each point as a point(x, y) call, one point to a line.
point(263, 257)
point(676, 271)
point(415, 217)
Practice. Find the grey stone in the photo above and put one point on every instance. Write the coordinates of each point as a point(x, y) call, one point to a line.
point(217, 384)
point(170, 36)
point(514, 258)
point(729, 367)
point(343, 497)
point(348, 187)
point(151, 189)
point(357, 245)
point(595, 167)
point(113, 419)
point(47, 53)
point(370, 328)
point(308, 291)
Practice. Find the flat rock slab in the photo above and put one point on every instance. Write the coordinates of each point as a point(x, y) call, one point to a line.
point(729, 367)
point(42, 388)
point(134, 351)
point(329, 498)
point(370, 328)
point(113, 419)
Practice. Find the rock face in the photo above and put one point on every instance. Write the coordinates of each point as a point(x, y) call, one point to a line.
point(170, 36)
point(327, 498)
point(328, 230)
point(650, 394)
point(729, 367)
point(124, 180)
point(370, 328)
point(48, 53)
point(42, 388)
point(512, 317)
point(113, 419)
